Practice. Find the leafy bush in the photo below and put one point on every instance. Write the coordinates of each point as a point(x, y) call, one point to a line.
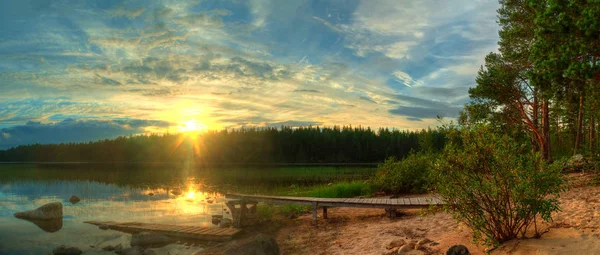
point(410, 175)
point(494, 184)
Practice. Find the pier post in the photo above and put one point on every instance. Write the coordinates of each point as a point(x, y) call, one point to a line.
point(314, 215)
point(324, 212)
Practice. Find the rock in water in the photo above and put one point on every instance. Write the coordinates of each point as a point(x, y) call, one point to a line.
point(148, 239)
point(74, 199)
point(458, 250)
point(63, 250)
point(260, 245)
point(44, 212)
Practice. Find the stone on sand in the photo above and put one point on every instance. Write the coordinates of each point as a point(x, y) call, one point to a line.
point(395, 244)
point(405, 248)
point(458, 250)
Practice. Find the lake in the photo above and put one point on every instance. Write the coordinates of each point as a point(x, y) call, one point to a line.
point(173, 194)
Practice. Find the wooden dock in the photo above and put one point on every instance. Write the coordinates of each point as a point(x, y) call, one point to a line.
point(389, 204)
point(176, 231)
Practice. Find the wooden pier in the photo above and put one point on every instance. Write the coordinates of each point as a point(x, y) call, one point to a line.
point(389, 204)
point(176, 231)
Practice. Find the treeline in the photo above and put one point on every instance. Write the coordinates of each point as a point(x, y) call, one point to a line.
point(545, 80)
point(241, 146)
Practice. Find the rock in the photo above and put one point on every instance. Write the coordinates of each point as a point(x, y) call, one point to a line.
point(176, 192)
point(44, 212)
point(260, 245)
point(108, 248)
point(391, 251)
point(405, 248)
point(329, 184)
point(148, 239)
point(150, 194)
point(131, 251)
point(423, 241)
point(103, 227)
point(149, 252)
point(576, 161)
point(74, 199)
point(395, 244)
point(458, 250)
point(63, 250)
point(118, 248)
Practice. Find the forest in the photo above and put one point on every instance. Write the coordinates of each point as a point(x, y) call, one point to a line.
point(284, 145)
point(545, 80)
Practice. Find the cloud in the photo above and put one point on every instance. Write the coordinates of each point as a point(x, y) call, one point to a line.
point(415, 112)
point(71, 130)
point(294, 123)
point(307, 90)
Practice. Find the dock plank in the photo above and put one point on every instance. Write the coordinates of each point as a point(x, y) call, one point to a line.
point(185, 231)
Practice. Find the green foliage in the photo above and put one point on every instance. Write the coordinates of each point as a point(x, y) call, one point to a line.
point(246, 146)
point(409, 175)
point(495, 184)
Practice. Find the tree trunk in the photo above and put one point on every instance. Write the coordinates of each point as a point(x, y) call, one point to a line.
point(557, 130)
point(579, 122)
point(546, 131)
point(591, 137)
point(535, 120)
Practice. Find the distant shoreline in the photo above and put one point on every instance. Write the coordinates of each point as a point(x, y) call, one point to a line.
point(201, 164)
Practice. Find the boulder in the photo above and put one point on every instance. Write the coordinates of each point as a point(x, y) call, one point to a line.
point(176, 192)
point(149, 252)
point(149, 239)
point(44, 212)
point(131, 251)
point(405, 248)
point(577, 161)
point(395, 243)
point(260, 245)
point(150, 194)
point(118, 248)
point(108, 248)
point(74, 199)
point(458, 250)
point(63, 250)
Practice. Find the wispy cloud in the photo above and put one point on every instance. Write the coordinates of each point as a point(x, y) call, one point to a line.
point(240, 63)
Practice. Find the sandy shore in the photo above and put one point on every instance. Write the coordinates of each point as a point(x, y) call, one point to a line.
point(367, 231)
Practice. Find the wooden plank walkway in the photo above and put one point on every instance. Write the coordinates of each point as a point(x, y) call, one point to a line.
point(177, 231)
point(389, 204)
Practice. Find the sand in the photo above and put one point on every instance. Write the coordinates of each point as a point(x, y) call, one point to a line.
point(367, 231)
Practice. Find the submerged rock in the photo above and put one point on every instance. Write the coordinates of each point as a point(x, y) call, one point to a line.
point(260, 245)
point(74, 199)
point(44, 212)
point(149, 239)
point(458, 250)
point(63, 250)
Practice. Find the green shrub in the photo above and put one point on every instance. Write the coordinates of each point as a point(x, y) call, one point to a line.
point(410, 175)
point(342, 190)
point(495, 184)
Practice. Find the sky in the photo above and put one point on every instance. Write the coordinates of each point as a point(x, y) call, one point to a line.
point(74, 71)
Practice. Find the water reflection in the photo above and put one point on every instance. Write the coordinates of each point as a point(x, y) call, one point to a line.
point(99, 202)
point(49, 226)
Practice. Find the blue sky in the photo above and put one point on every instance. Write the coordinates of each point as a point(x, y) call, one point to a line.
point(86, 70)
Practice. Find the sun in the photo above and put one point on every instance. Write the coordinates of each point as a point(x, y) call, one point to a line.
point(192, 126)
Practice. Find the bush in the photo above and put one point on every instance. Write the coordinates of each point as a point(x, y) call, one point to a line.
point(410, 175)
point(494, 184)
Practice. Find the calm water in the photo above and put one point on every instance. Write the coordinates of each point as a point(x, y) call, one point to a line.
point(122, 194)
